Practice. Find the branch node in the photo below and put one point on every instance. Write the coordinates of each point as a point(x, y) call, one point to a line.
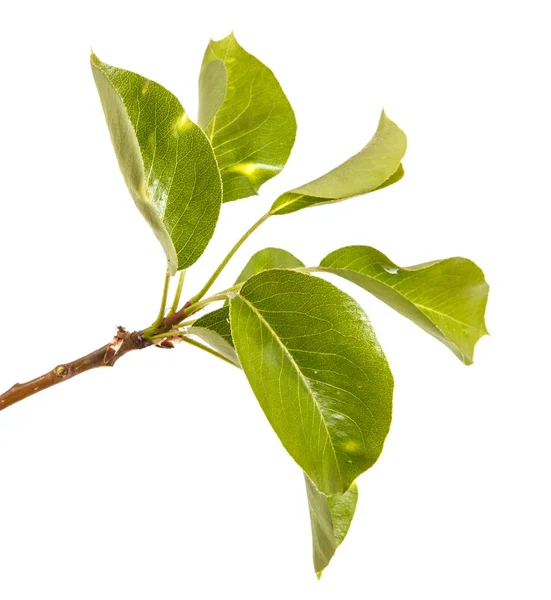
point(61, 371)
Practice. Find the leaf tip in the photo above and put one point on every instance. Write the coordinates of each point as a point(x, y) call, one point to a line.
point(228, 38)
point(94, 60)
point(468, 359)
point(386, 119)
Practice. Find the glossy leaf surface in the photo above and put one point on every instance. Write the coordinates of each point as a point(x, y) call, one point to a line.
point(447, 298)
point(376, 166)
point(330, 518)
point(318, 372)
point(166, 160)
point(245, 115)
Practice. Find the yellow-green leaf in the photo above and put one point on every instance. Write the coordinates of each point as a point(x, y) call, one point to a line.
point(268, 258)
point(214, 329)
point(376, 166)
point(245, 115)
point(330, 518)
point(166, 161)
point(318, 372)
point(447, 298)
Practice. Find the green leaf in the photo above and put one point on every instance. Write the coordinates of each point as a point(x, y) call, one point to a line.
point(330, 518)
point(166, 160)
point(318, 372)
point(397, 175)
point(269, 258)
point(214, 329)
point(447, 298)
point(376, 166)
point(246, 116)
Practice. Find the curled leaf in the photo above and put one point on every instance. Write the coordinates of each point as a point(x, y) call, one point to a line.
point(376, 166)
point(214, 329)
point(447, 298)
point(245, 115)
point(330, 519)
point(166, 161)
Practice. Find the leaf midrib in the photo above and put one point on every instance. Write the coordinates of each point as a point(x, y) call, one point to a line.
point(414, 304)
point(300, 374)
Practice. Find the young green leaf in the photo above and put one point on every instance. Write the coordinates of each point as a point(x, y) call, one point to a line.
point(214, 329)
point(376, 166)
point(447, 298)
point(246, 116)
point(318, 372)
point(330, 518)
point(268, 258)
point(166, 160)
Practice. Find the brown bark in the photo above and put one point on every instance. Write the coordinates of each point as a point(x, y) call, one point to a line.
point(106, 356)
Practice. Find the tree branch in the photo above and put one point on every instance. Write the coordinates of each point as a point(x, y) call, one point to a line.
point(106, 356)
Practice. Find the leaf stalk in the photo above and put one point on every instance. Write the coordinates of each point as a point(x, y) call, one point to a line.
point(162, 309)
point(178, 293)
point(228, 257)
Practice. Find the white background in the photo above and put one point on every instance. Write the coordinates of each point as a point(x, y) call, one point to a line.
point(161, 478)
